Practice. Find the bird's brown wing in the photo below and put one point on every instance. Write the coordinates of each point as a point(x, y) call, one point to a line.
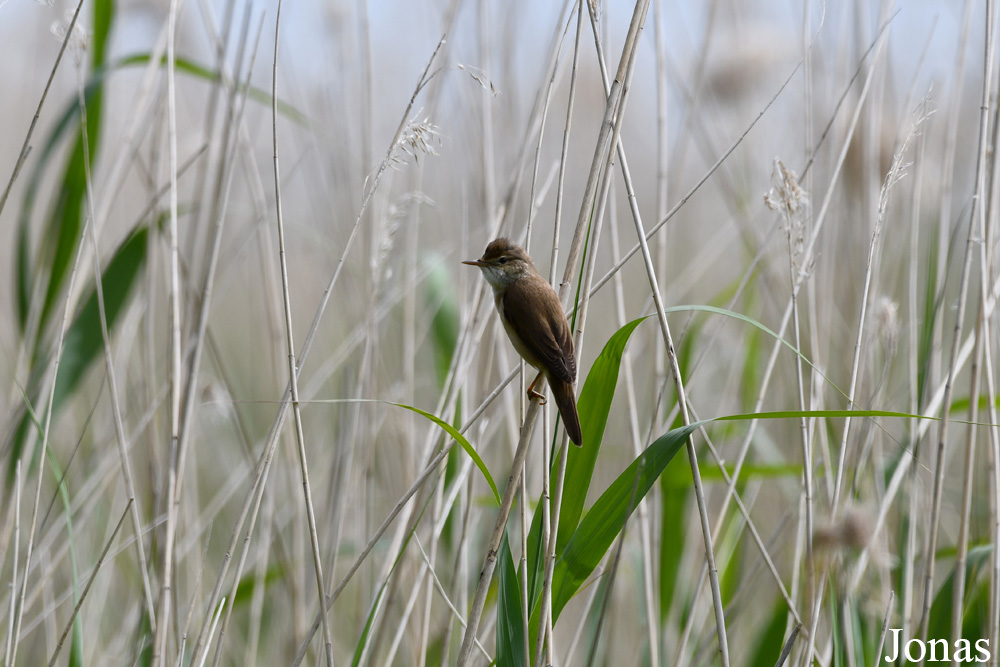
point(551, 342)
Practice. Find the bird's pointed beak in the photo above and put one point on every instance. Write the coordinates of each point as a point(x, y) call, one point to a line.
point(474, 262)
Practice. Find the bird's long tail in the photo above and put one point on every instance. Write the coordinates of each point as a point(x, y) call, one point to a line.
point(566, 400)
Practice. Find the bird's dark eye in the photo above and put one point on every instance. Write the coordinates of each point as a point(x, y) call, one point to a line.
point(502, 260)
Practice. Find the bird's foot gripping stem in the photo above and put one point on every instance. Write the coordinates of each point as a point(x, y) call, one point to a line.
point(534, 394)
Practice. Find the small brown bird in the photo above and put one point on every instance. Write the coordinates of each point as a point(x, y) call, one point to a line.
point(535, 322)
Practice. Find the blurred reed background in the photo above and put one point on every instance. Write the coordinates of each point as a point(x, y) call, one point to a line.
point(821, 183)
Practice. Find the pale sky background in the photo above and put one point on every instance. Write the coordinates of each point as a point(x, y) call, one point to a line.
point(754, 47)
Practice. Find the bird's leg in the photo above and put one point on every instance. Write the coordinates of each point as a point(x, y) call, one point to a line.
point(534, 394)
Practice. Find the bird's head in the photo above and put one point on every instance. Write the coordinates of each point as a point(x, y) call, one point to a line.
point(503, 262)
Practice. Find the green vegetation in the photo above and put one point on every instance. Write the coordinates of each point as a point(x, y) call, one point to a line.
point(797, 366)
